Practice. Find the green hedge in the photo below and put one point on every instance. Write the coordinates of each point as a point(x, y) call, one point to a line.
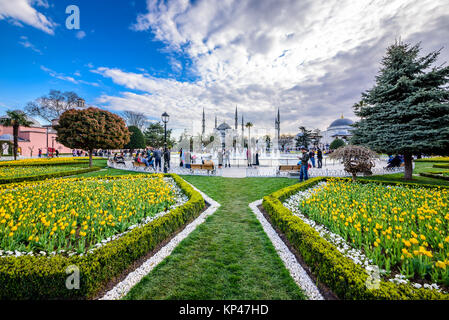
point(435, 175)
point(48, 175)
point(42, 164)
point(438, 159)
point(345, 278)
point(29, 277)
point(441, 166)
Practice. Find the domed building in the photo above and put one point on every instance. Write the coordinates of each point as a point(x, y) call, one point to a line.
point(340, 128)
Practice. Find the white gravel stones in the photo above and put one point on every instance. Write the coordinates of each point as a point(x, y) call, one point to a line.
point(296, 271)
point(123, 287)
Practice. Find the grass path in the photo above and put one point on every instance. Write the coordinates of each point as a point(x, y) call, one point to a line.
point(227, 257)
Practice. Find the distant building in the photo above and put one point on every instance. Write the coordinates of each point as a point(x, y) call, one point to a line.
point(339, 128)
point(32, 138)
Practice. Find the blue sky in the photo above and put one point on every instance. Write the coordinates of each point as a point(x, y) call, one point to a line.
point(34, 61)
point(310, 58)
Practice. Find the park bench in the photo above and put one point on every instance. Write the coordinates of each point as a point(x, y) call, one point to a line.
point(207, 166)
point(137, 165)
point(288, 168)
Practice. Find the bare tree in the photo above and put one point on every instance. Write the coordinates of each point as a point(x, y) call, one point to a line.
point(356, 159)
point(54, 104)
point(133, 118)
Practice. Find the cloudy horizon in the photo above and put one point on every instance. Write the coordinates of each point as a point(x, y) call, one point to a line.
point(310, 59)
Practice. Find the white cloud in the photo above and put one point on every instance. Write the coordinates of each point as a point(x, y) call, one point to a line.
point(64, 77)
point(310, 58)
point(21, 11)
point(80, 35)
point(27, 44)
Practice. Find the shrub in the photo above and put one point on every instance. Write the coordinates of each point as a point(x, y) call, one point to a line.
point(48, 175)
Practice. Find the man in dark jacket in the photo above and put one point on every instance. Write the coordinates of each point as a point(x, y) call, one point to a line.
point(304, 162)
point(157, 154)
point(319, 156)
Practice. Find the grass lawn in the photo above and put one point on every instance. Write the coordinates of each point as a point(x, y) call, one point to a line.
point(227, 257)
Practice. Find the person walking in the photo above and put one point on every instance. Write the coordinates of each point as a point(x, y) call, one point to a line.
point(227, 159)
point(312, 157)
point(257, 158)
point(319, 156)
point(157, 158)
point(304, 162)
point(220, 158)
point(181, 163)
point(166, 159)
point(248, 157)
point(40, 153)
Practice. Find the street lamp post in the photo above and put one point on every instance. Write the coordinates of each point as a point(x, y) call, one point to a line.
point(165, 118)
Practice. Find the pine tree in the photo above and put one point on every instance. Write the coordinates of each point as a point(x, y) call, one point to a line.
point(407, 110)
point(137, 140)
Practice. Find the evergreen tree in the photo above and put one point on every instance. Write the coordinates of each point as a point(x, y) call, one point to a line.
point(137, 140)
point(337, 143)
point(304, 138)
point(154, 136)
point(407, 110)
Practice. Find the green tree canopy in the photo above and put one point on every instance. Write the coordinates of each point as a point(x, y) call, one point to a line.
point(137, 140)
point(337, 143)
point(407, 110)
point(304, 138)
point(154, 136)
point(90, 129)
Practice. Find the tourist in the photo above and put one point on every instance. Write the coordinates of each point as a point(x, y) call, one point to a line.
point(257, 158)
point(227, 160)
point(248, 157)
point(40, 153)
point(320, 158)
point(181, 164)
point(304, 161)
point(157, 157)
point(188, 159)
point(312, 157)
point(166, 160)
point(57, 153)
point(220, 158)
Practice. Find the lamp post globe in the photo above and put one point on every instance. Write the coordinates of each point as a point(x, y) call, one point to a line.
point(165, 117)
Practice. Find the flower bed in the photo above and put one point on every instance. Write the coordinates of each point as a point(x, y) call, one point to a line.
point(435, 159)
point(119, 236)
point(347, 274)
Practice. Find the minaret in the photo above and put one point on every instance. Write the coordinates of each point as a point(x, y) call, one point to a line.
point(215, 121)
point(236, 119)
point(243, 133)
point(204, 124)
point(279, 124)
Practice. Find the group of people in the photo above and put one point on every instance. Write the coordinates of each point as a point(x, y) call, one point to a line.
point(304, 159)
point(395, 161)
point(152, 157)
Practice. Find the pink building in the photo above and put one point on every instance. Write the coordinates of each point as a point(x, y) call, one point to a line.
point(33, 138)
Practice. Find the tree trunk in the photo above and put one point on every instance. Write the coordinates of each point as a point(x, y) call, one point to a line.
point(408, 166)
point(90, 158)
point(354, 177)
point(16, 142)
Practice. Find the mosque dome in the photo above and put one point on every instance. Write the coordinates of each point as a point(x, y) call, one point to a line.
point(341, 122)
point(223, 126)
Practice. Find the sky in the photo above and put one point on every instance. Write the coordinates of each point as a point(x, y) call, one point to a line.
point(311, 59)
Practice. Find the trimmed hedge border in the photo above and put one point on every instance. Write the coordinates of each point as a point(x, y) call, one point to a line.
point(435, 175)
point(48, 175)
point(444, 160)
point(345, 278)
point(30, 277)
point(441, 166)
point(54, 163)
